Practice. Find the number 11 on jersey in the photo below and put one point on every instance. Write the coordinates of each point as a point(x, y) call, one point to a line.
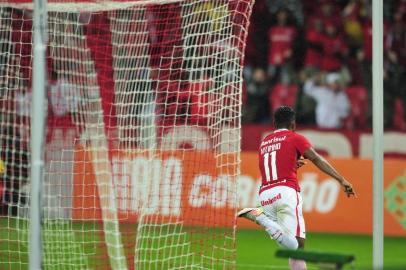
point(273, 166)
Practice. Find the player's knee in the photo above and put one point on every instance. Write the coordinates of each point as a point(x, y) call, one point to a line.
point(301, 242)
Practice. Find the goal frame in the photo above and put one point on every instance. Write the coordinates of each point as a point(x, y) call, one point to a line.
point(99, 149)
point(38, 117)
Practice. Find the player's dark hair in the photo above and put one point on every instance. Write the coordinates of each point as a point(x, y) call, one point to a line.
point(283, 117)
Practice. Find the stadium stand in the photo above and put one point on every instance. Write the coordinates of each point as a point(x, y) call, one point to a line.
point(344, 42)
point(283, 94)
point(358, 98)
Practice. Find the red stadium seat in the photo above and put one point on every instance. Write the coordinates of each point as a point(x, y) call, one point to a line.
point(283, 94)
point(358, 96)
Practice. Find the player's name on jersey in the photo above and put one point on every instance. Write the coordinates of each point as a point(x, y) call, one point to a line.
point(270, 148)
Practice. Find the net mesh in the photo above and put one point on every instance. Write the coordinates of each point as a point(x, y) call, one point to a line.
point(143, 131)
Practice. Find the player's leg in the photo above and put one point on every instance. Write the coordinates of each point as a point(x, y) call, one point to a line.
point(250, 213)
point(282, 238)
point(266, 216)
point(301, 242)
point(290, 218)
point(276, 232)
point(298, 264)
point(272, 199)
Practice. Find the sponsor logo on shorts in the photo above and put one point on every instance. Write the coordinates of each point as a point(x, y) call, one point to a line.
point(271, 200)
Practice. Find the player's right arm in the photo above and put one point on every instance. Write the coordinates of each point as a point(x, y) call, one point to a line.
point(327, 168)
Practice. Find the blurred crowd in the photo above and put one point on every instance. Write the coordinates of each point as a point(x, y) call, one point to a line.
point(317, 57)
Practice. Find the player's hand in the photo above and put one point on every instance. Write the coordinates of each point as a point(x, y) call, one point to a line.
point(348, 189)
point(300, 162)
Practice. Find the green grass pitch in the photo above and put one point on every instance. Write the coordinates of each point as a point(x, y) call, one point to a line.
point(255, 251)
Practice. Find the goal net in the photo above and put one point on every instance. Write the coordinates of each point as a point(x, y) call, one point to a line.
point(143, 133)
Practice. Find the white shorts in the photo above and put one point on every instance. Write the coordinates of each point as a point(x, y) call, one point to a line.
point(284, 205)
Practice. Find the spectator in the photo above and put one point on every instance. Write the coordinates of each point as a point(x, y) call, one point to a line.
point(2, 170)
point(294, 6)
point(334, 50)
point(401, 9)
point(64, 96)
point(257, 108)
point(334, 43)
point(15, 158)
point(394, 69)
point(352, 14)
point(281, 39)
point(328, 14)
point(305, 105)
point(332, 104)
point(314, 39)
point(364, 57)
point(396, 40)
point(256, 46)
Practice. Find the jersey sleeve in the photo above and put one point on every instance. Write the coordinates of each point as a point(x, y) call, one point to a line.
point(302, 144)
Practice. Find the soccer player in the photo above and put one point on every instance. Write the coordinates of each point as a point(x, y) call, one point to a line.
point(280, 154)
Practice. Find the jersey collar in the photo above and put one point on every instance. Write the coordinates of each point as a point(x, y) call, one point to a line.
point(281, 129)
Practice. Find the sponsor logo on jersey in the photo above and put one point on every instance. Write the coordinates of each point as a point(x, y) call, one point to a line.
point(273, 140)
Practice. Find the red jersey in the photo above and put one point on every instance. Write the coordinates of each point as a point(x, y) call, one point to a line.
point(332, 46)
point(278, 155)
point(313, 56)
point(281, 40)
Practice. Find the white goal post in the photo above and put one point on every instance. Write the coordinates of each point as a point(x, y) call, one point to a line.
point(142, 139)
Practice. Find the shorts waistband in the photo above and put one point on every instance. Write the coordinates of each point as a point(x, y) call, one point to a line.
point(284, 182)
point(271, 185)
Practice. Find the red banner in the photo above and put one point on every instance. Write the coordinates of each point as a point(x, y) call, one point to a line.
point(189, 187)
point(325, 206)
point(184, 186)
